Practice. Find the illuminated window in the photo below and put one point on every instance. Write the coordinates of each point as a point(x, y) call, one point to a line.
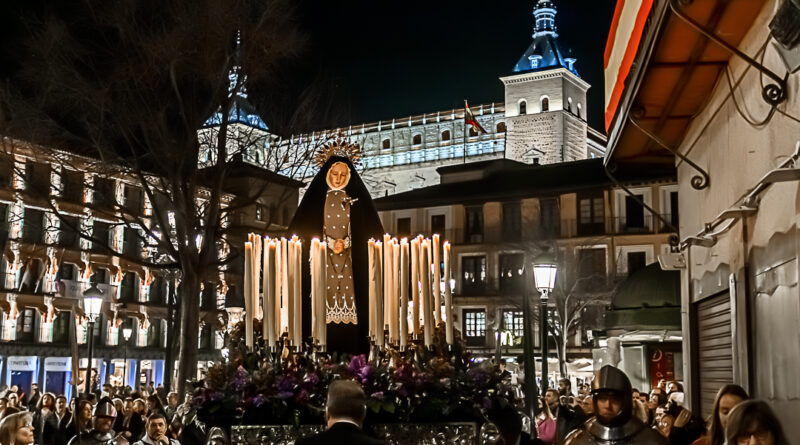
point(475, 327)
point(514, 323)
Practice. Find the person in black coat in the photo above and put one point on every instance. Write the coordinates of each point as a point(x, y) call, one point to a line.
point(344, 412)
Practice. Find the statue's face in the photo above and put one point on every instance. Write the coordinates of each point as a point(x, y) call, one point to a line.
point(338, 176)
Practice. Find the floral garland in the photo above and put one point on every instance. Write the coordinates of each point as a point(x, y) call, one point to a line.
point(418, 385)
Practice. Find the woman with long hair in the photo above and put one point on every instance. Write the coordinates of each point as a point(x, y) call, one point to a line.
point(727, 398)
point(17, 429)
point(154, 405)
point(752, 422)
point(82, 417)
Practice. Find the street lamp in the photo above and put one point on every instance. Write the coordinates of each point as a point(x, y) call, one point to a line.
point(544, 277)
point(126, 334)
point(92, 302)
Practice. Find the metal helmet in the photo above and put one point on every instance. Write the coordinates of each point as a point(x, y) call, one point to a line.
point(105, 408)
point(611, 380)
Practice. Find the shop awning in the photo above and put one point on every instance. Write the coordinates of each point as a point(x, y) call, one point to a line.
point(660, 71)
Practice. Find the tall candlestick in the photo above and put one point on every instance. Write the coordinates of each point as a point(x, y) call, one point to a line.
point(426, 296)
point(403, 294)
point(298, 291)
point(284, 326)
point(322, 329)
point(395, 294)
point(437, 275)
point(387, 282)
point(415, 285)
point(289, 298)
point(313, 258)
point(379, 312)
point(372, 305)
point(268, 321)
point(257, 249)
point(248, 301)
point(448, 296)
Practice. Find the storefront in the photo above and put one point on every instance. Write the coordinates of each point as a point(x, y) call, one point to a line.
point(58, 375)
point(22, 371)
point(151, 371)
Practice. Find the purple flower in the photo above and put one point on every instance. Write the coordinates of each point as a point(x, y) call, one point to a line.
point(378, 395)
point(258, 400)
point(215, 396)
point(312, 379)
point(356, 363)
point(301, 396)
point(240, 379)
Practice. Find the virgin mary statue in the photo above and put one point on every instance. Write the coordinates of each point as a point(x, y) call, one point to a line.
point(338, 209)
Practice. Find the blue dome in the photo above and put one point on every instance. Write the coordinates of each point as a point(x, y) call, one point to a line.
point(544, 52)
point(240, 112)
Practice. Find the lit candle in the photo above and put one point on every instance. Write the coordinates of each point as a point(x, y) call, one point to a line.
point(448, 296)
point(372, 306)
point(415, 285)
point(437, 275)
point(322, 329)
point(268, 322)
point(298, 291)
point(257, 249)
point(404, 294)
point(395, 330)
point(284, 300)
point(248, 301)
point(387, 252)
point(289, 297)
point(426, 295)
point(313, 259)
point(379, 338)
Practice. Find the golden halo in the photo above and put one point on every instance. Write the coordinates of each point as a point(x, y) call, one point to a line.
point(338, 147)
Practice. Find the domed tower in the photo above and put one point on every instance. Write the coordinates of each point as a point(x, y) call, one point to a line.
point(545, 98)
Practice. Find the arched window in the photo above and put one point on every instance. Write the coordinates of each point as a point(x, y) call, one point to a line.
point(387, 144)
point(523, 107)
point(417, 139)
point(208, 155)
point(569, 104)
point(545, 104)
point(446, 135)
point(258, 157)
point(472, 131)
point(501, 127)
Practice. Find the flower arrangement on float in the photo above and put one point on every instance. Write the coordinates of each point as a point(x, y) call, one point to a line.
point(419, 385)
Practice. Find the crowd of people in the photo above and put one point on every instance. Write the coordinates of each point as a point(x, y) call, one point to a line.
point(609, 411)
point(115, 415)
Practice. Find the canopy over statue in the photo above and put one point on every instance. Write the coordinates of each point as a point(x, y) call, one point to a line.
point(338, 209)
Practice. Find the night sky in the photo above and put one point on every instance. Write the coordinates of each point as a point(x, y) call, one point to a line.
point(378, 60)
point(392, 59)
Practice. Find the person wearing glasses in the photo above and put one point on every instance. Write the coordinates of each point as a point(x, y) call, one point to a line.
point(17, 429)
point(752, 422)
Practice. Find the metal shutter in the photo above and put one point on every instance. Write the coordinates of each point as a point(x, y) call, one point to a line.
point(715, 353)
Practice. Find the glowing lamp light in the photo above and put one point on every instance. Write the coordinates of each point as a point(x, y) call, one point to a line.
point(126, 333)
point(544, 274)
point(92, 302)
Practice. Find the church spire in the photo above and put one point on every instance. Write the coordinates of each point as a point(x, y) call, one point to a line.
point(545, 16)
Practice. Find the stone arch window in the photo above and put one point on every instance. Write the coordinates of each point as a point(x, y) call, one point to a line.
point(387, 144)
point(472, 131)
point(208, 155)
point(417, 140)
point(569, 104)
point(545, 102)
point(523, 107)
point(258, 157)
point(579, 109)
point(501, 127)
point(446, 135)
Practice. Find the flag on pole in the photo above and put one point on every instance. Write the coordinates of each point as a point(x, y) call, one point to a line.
point(469, 119)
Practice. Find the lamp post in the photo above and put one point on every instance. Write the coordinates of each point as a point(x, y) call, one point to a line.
point(544, 276)
point(126, 334)
point(92, 301)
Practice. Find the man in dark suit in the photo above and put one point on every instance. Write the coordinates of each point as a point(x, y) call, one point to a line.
point(344, 412)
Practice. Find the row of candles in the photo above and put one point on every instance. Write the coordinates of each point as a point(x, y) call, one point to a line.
point(396, 306)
